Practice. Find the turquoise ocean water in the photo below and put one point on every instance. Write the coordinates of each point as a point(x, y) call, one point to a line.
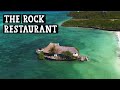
point(19, 60)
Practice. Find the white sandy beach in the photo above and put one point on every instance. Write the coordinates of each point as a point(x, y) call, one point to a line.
point(118, 41)
point(118, 37)
point(117, 64)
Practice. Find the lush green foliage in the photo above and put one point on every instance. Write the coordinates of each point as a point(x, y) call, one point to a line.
point(52, 50)
point(101, 24)
point(41, 56)
point(95, 15)
point(101, 20)
point(68, 55)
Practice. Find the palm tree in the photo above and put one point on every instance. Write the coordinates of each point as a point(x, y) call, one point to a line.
point(52, 50)
point(68, 55)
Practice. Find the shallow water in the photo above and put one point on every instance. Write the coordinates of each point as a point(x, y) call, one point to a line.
point(19, 60)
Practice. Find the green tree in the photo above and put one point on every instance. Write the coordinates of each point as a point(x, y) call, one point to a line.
point(41, 56)
point(52, 50)
point(68, 55)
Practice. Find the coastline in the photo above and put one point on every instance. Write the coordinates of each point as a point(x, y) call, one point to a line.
point(117, 63)
point(100, 67)
point(91, 27)
point(117, 33)
point(61, 22)
point(97, 28)
point(108, 21)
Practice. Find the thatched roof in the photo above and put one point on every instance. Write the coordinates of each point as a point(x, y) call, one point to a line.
point(59, 49)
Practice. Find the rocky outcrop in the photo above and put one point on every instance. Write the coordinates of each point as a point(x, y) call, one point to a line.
point(83, 58)
point(58, 55)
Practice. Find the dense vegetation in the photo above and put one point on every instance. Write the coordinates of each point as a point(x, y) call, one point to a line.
point(41, 56)
point(95, 19)
point(52, 50)
point(68, 55)
point(95, 15)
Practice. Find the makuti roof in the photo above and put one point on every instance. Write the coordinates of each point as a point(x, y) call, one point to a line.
point(59, 49)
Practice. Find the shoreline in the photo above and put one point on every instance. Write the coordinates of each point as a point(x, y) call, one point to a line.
point(97, 28)
point(61, 22)
point(117, 33)
point(108, 20)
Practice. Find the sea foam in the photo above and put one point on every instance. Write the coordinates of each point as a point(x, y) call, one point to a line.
point(118, 41)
